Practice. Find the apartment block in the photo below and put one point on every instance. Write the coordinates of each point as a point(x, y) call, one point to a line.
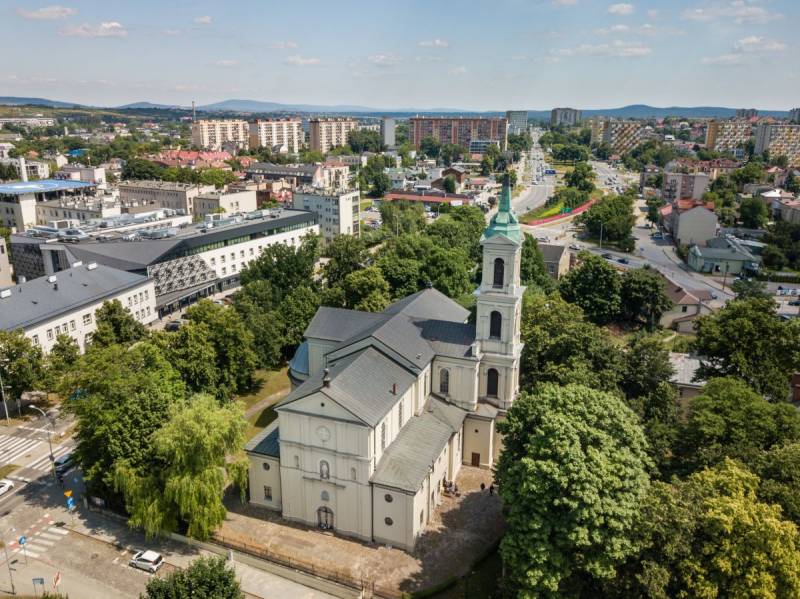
point(152, 195)
point(565, 116)
point(680, 186)
point(459, 130)
point(213, 134)
point(330, 133)
point(29, 122)
point(597, 126)
point(781, 139)
point(28, 169)
point(728, 135)
point(388, 132)
point(622, 136)
point(222, 202)
point(338, 213)
point(517, 121)
point(284, 136)
point(79, 172)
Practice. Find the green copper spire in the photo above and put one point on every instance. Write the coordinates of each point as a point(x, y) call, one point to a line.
point(504, 222)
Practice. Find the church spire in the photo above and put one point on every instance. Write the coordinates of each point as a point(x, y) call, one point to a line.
point(504, 222)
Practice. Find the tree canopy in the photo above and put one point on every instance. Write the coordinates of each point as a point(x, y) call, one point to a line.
point(205, 578)
point(595, 286)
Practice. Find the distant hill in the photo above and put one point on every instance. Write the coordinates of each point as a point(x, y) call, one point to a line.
point(259, 106)
point(16, 101)
point(643, 111)
point(150, 106)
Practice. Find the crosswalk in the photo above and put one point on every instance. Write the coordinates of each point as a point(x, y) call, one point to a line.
point(43, 463)
point(39, 541)
point(12, 448)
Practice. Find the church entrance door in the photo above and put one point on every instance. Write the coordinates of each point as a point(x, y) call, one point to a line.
point(476, 460)
point(325, 518)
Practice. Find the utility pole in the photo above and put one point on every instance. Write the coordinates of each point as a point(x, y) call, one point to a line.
point(8, 563)
point(3, 393)
point(49, 437)
point(601, 235)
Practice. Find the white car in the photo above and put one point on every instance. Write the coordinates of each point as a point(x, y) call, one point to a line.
point(5, 486)
point(149, 561)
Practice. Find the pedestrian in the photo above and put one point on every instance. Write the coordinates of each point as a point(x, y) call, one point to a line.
point(491, 489)
point(483, 487)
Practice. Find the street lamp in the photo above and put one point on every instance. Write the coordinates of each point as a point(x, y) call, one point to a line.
point(3, 390)
point(52, 427)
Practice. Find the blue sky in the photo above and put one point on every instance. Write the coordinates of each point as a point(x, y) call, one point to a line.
point(474, 54)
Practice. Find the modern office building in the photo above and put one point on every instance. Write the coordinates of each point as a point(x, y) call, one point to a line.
point(213, 134)
point(152, 195)
point(458, 130)
point(746, 113)
point(186, 262)
point(622, 136)
point(569, 117)
point(338, 212)
point(728, 135)
point(18, 199)
point(224, 202)
point(328, 133)
point(388, 132)
point(517, 121)
point(65, 303)
point(781, 139)
point(282, 136)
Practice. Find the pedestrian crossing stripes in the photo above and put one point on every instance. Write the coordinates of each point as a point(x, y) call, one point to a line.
point(43, 463)
point(12, 448)
point(39, 542)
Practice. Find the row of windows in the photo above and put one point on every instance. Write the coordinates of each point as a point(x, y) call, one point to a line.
point(492, 381)
point(236, 240)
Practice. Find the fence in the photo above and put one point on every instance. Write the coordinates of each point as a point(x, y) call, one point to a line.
point(582, 208)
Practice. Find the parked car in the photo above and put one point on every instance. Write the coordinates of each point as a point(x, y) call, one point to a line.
point(172, 326)
point(5, 486)
point(149, 561)
point(794, 303)
point(608, 256)
point(64, 464)
point(624, 261)
point(574, 246)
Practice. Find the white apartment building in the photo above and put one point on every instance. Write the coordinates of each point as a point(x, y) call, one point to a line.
point(565, 116)
point(151, 195)
point(212, 134)
point(338, 212)
point(80, 172)
point(387, 130)
point(28, 121)
point(728, 135)
point(222, 202)
point(330, 133)
point(281, 135)
point(28, 169)
point(680, 186)
point(781, 139)
point(65, 303)
point(5, 150)
point(517, 121)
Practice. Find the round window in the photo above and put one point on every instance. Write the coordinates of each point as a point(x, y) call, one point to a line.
point(265, 466)
point(388, 498)
point(388, 521)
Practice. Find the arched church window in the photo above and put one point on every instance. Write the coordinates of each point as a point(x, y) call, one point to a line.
point(495, 325)
point(444, 381)
point(499, 272)
point(492, 382)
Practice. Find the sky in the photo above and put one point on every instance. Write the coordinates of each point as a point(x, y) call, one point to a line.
point(470, 54)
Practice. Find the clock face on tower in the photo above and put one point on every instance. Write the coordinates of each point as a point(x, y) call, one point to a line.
point(323, 433)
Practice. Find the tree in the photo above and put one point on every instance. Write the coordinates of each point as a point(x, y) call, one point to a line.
point(581, 177)
point(363, 140)
point(366, 290)
point(643, 296)
point(347, 254)
point(191, 352)
point(205, 578)
point(402, 217)
point(646, 366)
point(709, 536)
point(402, 274)
point(430, 147)
point(450, 153)
point(750, 289)
point(595, 286)
point(296, 312)
point(192, 471)
point(373, 175)
point(779, 470)
point(21, 363)
point(753, 212)
point(449, 184)
point(120, 397)
point(63, 357)
point(217, 177)
point(572, 476)
point(745, 339)
point(614, 214)
point(532, 267)
point(773, 257)
point(284, 267)
point(116, 324)
point(752, 172)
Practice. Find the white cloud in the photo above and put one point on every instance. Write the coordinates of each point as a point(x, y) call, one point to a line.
point(226, 62)
point(565, 2)
point(621, 9)
point(614, 29)
point(47, 13)
point(429, 59)
point(287, 45)
point(384, 60)
point(617, 48)
point(754, 43)
point(647, 29)
point(104, 29)
point(739, 11)
point(171, 32)
point(458, 71)
point(203, 20)
point(722, 60)
point(435, 43)
point(301, 61)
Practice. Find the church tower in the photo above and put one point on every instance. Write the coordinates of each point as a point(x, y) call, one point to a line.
point(499, 309)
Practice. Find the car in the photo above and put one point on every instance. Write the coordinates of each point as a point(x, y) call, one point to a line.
point(149, 561)
point(794, 303)
point(624, 261)
point(172, 326)
point(658, 235)
point(5, 486)
point(64, 464)
point(608, 256)
point(574, 246)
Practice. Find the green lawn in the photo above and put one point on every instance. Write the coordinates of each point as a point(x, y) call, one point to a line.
point(542, 212)
point(366, 203)
point(269, 383)
point(7, 469)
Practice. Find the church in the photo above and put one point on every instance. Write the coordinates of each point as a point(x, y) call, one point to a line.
point(386, 407)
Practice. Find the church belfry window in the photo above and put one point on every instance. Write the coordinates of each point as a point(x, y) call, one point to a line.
point(498, 275)
point(495, 325)
point(492, 382)
point(444, 381)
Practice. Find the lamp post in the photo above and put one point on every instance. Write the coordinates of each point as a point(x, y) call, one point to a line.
point(8, 562)
point(3, 391)
point(49, 436)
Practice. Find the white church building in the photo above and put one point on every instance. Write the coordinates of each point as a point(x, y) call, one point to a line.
point(387, 406)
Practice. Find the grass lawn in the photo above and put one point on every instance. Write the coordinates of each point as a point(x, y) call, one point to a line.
point(7, 469)
point(366, 203)
point(268, 383)
point(542, 212)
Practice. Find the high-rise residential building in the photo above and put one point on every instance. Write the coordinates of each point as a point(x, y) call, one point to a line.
point(459, 130)
point(212, 134)
point(338, 212)
point(727, 135)
point(281, 135)
point(794, 115)
point(684, 186)
point(597, 126)
point(517, 121)
point(387, 132)
point(781, 139)
point(330, 133)
point(622, 136)
point(746, 113)
point(565, 116)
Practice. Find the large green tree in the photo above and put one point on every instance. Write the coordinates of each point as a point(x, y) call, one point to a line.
point(21, 363)
point(572, 475)
point(532, 269)
point(753, 212)
point(191, 352)
point(205, 578)
point(366, 290)
point(595, 286)
point(643, 296)
point(345, 254)
point(283, 266)
point(115, 324)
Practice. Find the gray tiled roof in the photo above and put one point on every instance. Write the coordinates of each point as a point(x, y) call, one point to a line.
point(552, 252)
point(453, 339)
point(429, 303)
point(408, 460)
point(685, 368)
point(266, 442)
point(38, 300)
point(337, 324)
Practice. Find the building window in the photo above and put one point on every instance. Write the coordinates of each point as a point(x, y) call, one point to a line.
point(421, 517)
point(324, 470)
point(400, 415)
point(35, 339)
point(388, 521)
point(499, 272)
point(683, 308)
point(71, 325)
point(267, 493)
point(388, 497)
point(383, 435)
point(492, 382)
point(213, 261)
point(297, 461)
point(265, 466)
point(495, 325)
point(444, 381)
point(58, 330)
point(325, 496)
point(87, 319)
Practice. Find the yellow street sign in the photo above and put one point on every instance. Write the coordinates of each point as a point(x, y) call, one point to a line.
point(67, 493)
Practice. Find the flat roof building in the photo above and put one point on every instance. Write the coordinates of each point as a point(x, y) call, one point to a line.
point(280, 135)
point(152, 195)
point(517, 121)
point(18, 199)
point(338, 212)
point(568, 117)
point(459, 130)
point(330, 133)
point(214, 134)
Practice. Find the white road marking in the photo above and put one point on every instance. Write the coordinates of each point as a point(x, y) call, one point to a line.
point(39, 540)
point(49, 535)
point(60, 531)
point(27, 551)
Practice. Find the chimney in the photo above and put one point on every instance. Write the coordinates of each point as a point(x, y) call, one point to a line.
point(326, 378)
point(394, 388)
